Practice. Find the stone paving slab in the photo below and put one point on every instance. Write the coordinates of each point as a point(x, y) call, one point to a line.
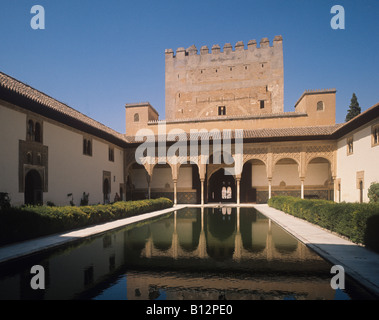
point(358, 262)
point(21, 249)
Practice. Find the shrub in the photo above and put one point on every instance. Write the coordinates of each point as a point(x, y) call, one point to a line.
point(357, 221)
point(5, 201)
point(373, 192)
point(18, 224)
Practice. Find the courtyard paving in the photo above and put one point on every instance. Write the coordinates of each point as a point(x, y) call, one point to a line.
point(358, 262)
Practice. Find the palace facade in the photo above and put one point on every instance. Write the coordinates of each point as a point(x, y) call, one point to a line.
point(53, 153)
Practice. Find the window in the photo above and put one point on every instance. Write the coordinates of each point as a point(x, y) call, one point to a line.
point(320, 106)
point(37, 132)
point(30, 131)
point(87, 147)
point(34, 131)
point(222, 111)
point(262, 104)
point(136, 117)
point(111, 154)
point(375, 136)
point(350, 146)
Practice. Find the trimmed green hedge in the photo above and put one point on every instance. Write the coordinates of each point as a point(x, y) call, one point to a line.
point(357, 221)
point(19, 224)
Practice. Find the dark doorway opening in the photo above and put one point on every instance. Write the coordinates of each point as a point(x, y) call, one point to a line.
point(248, 193)
point(33, 188)
point(106, 191)
point(222, 187)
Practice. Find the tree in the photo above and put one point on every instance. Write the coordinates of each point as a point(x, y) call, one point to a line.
point(373, 192)
point(354, 108)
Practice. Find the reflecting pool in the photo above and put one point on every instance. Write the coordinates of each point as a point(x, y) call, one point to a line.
point(194, 253)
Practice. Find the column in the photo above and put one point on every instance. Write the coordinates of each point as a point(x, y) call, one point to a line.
point(202, 191)
point(269, 188)
point(238, 191)
point(175, 199)
point(148, 178)
point(302, 188)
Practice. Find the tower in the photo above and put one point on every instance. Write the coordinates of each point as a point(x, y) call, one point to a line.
point(243, 81)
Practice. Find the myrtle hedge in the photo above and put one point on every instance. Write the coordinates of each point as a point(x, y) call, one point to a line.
point(24, 223)
point(357, 221)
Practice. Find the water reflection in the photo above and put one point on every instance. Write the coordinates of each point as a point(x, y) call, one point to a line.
point(212, 253)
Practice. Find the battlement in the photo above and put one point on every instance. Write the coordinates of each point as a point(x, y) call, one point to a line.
point(227, 49)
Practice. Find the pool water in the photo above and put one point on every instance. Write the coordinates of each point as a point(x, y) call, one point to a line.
point(194, 253)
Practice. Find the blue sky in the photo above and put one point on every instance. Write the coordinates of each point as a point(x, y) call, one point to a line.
point(96, 56)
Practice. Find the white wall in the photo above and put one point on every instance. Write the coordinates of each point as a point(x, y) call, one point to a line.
point(289, 173)
point(12, 129)
point(161, 176)
point(364, 158)
point(259, 176)
point(317, 174)
point(70, 171)
point(185, 177)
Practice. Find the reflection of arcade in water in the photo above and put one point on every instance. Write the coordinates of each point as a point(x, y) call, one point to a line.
point(235, 251)
point(211, 253)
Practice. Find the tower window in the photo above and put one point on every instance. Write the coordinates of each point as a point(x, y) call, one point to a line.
point(136, 117)
point(222, 111)
point(320, 106)
point(262, 104)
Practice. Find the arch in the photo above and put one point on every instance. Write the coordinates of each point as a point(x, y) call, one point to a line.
point(285, 158)
point(189, 178)
point(33, 194)
point(320, 106)
point(137, 181)
point(162, 233)
point(136, 117)
point(190, 221)
point(283, 242)
point(253, 231)
point(249, 185)
point(162, 181)
point(315, 158)
point(217, 181)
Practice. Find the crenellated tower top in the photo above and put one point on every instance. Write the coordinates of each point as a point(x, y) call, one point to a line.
point(227, 49)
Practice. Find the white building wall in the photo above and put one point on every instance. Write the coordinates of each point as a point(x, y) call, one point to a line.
point(317, 174)
point(365, 158)
point(12, 129)
point(289, 173)
point(70, 171)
